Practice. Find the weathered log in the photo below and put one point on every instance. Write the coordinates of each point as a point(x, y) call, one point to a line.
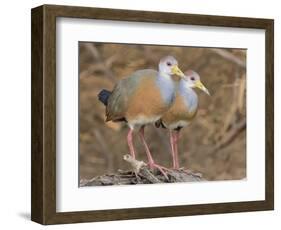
point(141, 174)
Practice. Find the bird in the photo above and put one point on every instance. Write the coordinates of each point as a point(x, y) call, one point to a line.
point(141, 99)
point(182, 111)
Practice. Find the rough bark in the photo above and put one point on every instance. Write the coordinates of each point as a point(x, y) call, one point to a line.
point(141, 174)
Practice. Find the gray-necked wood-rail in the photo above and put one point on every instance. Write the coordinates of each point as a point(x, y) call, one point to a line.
point(183, 110)
point(142, 98)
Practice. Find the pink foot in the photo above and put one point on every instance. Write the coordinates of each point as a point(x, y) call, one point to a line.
point(160, 168)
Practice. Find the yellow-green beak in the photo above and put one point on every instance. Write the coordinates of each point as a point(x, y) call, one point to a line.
point(200, 85)
point(176, 70)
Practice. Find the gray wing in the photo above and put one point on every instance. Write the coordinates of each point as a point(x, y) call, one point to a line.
point(118, 101)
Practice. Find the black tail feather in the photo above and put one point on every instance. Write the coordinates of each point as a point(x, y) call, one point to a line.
point(103, 96)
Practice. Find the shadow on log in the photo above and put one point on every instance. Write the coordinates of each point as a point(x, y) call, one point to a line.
point(141, 174)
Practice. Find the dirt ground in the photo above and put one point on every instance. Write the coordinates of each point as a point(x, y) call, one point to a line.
point(213, 144)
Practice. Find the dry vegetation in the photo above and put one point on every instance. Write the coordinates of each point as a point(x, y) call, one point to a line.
point(214, 144)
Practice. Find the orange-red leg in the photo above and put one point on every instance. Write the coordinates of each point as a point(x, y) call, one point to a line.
point(130, 143)
point(151, 162)
point(174, 137)
point(172, 148)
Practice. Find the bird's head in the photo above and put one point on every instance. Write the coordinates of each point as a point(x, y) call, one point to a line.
point(169, 65)
point(192, 80)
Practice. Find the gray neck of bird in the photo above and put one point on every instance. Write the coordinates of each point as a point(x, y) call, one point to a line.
point(165, 76)
point(167, 87)
point(189, 95)
point(185, 87)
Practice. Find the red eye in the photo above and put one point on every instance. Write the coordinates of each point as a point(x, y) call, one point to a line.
point(192, 78)
point(169, 63)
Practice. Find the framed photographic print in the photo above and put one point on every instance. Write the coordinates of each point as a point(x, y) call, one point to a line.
point(140, 114)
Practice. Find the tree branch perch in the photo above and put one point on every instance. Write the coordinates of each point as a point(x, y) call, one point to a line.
point(141, 174)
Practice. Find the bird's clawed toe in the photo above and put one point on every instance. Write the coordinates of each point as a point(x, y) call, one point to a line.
point(161, 169)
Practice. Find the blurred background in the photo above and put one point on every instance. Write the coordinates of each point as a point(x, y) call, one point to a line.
point(215, 142)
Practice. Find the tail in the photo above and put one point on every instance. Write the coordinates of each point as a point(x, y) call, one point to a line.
point(103, 96)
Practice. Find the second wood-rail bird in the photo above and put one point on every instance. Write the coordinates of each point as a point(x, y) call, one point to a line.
point(183, 110)
point(141, 99)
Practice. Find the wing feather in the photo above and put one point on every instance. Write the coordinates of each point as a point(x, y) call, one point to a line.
point(124, 89)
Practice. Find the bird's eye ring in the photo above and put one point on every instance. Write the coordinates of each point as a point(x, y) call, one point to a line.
point(169, 63)
point(192, 78)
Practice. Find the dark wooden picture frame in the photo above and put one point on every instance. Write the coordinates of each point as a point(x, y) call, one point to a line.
point(43, 188)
